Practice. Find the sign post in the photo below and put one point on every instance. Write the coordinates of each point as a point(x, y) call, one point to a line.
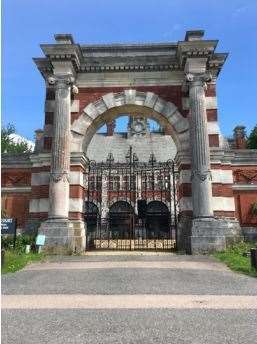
point(40, 241)
point(9, 227)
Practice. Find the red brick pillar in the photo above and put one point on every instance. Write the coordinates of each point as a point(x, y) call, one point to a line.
point(110, 128)
point(240, 137)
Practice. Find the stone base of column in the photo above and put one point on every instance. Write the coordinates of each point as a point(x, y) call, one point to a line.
point(211, 234)
point(79, 238)
point(63, 236)
point(206, 235)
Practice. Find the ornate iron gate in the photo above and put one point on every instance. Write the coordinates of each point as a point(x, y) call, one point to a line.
point(132, 205)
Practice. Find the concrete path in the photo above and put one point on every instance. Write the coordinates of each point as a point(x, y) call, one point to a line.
point(137, 298)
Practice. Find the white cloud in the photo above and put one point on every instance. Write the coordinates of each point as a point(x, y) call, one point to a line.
point(18, 139)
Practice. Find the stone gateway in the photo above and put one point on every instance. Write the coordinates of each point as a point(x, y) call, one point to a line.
point(87, 86)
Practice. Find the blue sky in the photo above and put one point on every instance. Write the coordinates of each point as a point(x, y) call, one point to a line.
point(27, 23)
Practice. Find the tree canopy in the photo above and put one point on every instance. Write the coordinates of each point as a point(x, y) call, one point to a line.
point(252, 139)
point(7, 142)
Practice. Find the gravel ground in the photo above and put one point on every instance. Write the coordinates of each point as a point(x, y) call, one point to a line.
point(129, 326)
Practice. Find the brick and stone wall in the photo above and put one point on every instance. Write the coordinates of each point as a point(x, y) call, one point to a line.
point(16, 188)
point(25, 192)
point(172, 94)
point(222, 192)
point(245, 194)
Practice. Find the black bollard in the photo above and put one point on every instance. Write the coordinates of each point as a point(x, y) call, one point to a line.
point(253, 252)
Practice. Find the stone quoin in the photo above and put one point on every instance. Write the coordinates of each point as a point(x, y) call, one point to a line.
point(88, 86)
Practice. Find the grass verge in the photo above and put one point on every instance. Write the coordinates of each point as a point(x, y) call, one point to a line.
point(14, 261)
point(234, 259)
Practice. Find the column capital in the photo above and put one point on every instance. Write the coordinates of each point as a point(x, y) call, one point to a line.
point(198, 79)
point(63, 81)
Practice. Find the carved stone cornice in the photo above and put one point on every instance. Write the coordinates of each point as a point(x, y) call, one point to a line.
point(141, 57)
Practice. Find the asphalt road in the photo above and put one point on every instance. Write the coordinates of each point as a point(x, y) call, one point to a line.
point(37, 315)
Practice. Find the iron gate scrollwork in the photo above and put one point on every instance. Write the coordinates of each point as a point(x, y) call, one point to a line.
point(113, 192)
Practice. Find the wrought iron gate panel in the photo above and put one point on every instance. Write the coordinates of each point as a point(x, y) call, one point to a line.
point(111, 214)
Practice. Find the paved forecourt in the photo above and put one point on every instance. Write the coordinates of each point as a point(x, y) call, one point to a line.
point(128, 298)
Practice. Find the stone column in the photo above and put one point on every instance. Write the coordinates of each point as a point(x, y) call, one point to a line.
point(201, 167)
point(60, 160)
point(58, 230)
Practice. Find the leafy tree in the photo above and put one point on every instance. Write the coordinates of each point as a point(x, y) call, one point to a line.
point(252, 139)
point(7, 142)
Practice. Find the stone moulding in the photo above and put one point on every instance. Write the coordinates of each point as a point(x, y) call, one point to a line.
point(112, 104)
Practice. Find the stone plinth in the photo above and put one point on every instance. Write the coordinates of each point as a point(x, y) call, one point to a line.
point(210, 235)
point(63, 236)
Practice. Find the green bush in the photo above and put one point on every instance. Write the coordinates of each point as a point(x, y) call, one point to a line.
point(21, 241)
point(236, 259)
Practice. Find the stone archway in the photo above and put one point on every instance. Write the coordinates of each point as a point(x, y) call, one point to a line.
point(109, 106)
point(185, 72)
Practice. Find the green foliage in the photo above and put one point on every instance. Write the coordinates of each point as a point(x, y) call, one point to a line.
point(235, 259)
point(7, 143)
point(252, 139)
point(21, 241)
point(15, 261)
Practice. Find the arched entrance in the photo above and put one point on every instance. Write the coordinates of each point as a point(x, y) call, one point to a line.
point(121, 215)
point(107, 108)
point(91, 219)
point(157, 220)
point(111, 105)
point(122, 191)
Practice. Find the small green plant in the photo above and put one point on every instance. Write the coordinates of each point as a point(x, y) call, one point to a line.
point(234, 257)
point(20, 244)
point(254, 208)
